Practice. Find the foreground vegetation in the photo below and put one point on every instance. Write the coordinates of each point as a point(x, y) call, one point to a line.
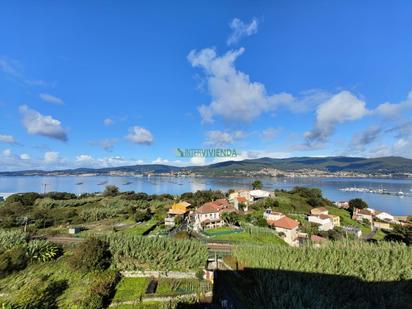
point(357, 274)
point(131, 252)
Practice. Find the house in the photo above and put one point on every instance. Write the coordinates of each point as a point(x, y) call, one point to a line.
point(270, 215)
point(177, 209)
point(362, 214)
point(75, 230)
point(384, 216)
point(335, 220)
point(288, 227)
point(323, 221)
point(342, 204)
point(209, 214)
point(319, 211)
point(240, 193)
point(352, 230)
point(382, 225)
point(240, 201)
point(259, 194)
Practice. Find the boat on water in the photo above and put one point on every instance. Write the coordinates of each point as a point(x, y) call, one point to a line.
point(127, 183)
point(102, 183)
point(79, 183)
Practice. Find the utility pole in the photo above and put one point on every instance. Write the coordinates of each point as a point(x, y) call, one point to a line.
point(44, 189)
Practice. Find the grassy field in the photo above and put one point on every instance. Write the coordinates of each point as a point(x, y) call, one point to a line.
point(133, 289)
point(141, 228)
point(130, 289)
point(354, 273)
point(255, 235)
point(54, 270)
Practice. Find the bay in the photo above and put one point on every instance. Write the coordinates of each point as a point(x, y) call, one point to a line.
point(176, 185)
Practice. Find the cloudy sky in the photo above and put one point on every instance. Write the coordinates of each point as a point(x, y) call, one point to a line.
point(107, 83)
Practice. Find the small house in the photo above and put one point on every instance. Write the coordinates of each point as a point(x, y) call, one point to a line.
point(75, 230)
point(288, 227)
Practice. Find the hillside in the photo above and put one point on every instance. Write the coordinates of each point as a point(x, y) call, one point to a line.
point(378, 166)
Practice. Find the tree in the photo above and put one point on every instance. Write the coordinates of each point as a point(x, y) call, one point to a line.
point(92, 254)
point(357, 203)
point(231, 218)
point(400, 234)
point(111, 190)
point(257, 184)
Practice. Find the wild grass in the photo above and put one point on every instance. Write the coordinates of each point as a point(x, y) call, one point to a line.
point(370, 262)
point(133, 252)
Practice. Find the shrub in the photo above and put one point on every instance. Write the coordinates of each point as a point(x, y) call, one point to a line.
point(9, 239)
point(101, 289)
point(43, 250)
point(111, 190)
point(12, 260)
point(92, 254)
point(133, 252)
point(40, 292)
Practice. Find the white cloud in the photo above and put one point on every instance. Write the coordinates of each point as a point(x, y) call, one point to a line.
point(160, 161)
point(84, 158)
point(7, 152)
point(48, 98)
point(234, 96)
point(108, 121)
point(36, 123)
point(8, 139)
point(198, 161)
point(340, 108)
point(221, 138)
point(51, 157)
point(240, 29)
point(140, 135)
point(24, 156)
point(394, 110)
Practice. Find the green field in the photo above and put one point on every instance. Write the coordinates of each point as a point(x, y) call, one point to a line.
point(252, 235)
point(355, 273)
point(13, 287)
point(130, 289)
point(133, 289)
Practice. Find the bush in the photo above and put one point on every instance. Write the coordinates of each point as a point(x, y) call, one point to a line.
point(12, 260)
point(40, 293)
point(43, 250)
point(92, 254)
point(9, 239)
point(357, 203)
point(101, 289)
point(111, 190)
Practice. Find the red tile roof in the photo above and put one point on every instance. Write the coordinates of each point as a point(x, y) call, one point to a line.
point(208, 208)
point(364, 212)
point(317, 238)
point(241, 199)
point(323, 217)
point(285, 223)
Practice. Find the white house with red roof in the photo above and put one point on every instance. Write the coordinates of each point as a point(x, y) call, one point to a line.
point(288, 227)
point(324, 222)
point(209, 214)
point(362, 214)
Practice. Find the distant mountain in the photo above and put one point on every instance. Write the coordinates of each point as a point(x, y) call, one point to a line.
point(383, 166)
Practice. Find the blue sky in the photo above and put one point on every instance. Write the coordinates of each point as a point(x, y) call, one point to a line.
point(106, 83)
